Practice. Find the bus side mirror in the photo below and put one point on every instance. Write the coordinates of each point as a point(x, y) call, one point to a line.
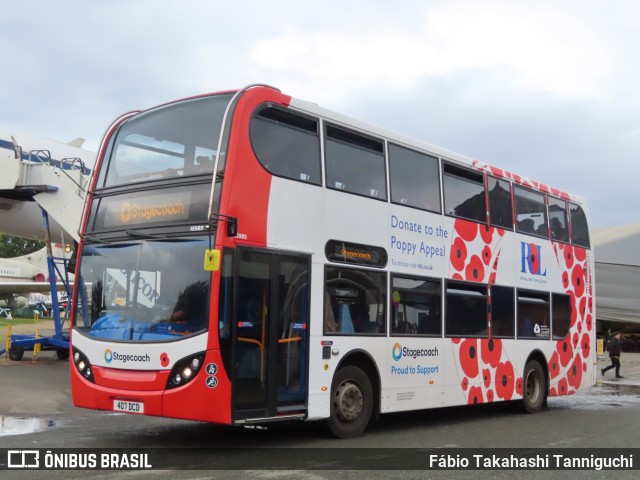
point(212, 260)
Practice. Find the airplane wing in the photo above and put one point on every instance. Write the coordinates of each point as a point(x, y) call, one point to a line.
point(21, 288)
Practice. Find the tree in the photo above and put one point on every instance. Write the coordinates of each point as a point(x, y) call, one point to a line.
point(16, 246)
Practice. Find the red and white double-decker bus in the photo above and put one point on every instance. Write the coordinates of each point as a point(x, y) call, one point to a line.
point(247, 257)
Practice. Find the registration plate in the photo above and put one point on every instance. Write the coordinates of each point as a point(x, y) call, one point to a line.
point(128, 406)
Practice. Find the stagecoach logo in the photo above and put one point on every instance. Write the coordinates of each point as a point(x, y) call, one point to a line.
point(396, 352)
point(149, 209)
point(125, 212)
point(110, 356)
point(532, 259)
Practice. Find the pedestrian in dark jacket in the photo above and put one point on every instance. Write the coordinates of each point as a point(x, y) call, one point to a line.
point(614, 355)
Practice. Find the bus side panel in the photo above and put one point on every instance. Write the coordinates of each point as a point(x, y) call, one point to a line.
point(572, 365)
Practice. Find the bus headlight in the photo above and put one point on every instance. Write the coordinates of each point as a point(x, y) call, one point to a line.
point(82, 365)
point(185, 370)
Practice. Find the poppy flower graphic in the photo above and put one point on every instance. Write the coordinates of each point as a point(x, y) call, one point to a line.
point(586, 345)
point(486, 254)
point(562, 386)
point(475, 270)
point(164, 359)
point(577, 278)
point(486, 233)
point(475, 396)
point(486, 377)
point(534, 259)
point(554, 365)
point(467, 230)
point(580, 254)
point(519, 385)
point(458, 254)
point(575, 373)
point(565, 352)
point(589, 322)
point(491, 351)
point(568, 256)
point(469, 357)
point(504, 380)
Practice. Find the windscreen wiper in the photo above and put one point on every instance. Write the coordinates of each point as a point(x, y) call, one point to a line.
point(139, 234)
point(92, 238)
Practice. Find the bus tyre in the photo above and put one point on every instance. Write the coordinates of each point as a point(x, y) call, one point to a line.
point(16, 353)
point(534, 388)
point(351, 402)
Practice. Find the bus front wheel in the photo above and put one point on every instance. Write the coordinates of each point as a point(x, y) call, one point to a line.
point(534, 389)
point(351, 402)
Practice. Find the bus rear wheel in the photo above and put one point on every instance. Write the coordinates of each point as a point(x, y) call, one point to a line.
point(534, 388)
point(351, 402)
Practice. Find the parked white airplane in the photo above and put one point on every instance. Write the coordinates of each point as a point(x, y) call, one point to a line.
point(38, 173)
point(24, 280)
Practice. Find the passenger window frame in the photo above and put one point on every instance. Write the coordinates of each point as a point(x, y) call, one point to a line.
point(453, 171)
point(315, 174)
point(436, 182)
point(336, 135)
point(545, 213)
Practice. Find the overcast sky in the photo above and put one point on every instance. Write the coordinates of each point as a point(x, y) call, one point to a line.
point(549, 89)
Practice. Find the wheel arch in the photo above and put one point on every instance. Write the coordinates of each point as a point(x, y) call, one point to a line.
point(542, 360)
point(363, 360)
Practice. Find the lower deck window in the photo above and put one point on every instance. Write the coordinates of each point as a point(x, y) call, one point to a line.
point(354, 301)
point(533, 315)
point(502, 312)
point(416, 306)
point(561, 308)
point(466, 310)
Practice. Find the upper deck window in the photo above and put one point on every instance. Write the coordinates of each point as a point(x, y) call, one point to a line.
point(531, 212)
point(355, 163)
point(464, 193)
point(176, 140)
point(415, 179)
point(558, 224)
point(287, 144)
point(500, 203)
point(579, 228)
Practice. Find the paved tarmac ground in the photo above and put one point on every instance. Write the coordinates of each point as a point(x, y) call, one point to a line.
point(36, 412)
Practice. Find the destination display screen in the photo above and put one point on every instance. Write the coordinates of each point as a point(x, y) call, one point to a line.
point(152, 207)
point(356, 253)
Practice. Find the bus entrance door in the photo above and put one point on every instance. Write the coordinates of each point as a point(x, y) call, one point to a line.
point(270, 335)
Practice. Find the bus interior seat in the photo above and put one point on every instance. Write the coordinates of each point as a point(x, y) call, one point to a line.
point(423, 323)
point(542, 230)
point(556, 227)
point(370, 327)
point(345, 324)
point(526, 225)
